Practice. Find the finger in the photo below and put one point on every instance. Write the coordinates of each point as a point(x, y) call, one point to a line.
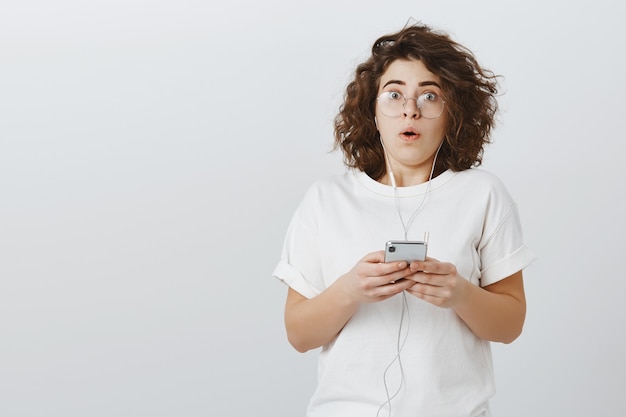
point(431, 267)
point(394, 288)
point(392, 268)
point(375, 257)
point(382, 278)
point(432, 280)
point(431, 290)
point(432, 299)
point(376, 275)
point(419, 264)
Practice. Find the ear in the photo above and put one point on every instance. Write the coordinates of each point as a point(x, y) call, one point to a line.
point(376, 122)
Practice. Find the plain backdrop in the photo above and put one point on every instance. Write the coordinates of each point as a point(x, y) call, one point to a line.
point(153, 152)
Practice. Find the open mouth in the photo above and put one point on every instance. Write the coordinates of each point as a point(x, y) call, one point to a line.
point(410, 135)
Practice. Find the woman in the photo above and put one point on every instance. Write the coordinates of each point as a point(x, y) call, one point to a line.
point(407, 338)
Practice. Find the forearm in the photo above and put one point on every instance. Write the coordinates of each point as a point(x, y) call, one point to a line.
point(314, 322)
point(497, 312)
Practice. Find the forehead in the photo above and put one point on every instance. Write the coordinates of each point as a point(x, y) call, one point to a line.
point(411, 73)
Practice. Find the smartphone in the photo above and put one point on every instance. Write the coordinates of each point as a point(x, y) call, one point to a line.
point(403, 250)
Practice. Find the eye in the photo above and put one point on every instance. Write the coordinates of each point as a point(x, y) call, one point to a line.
point(394, 95)
point(430, 96)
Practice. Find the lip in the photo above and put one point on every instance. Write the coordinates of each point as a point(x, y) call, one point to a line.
point(409, 134)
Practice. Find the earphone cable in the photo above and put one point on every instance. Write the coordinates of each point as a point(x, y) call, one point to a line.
point(398, 358)
point(406, 226)
point(405, 306)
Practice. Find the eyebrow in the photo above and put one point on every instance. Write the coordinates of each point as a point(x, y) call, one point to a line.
point(421, 84)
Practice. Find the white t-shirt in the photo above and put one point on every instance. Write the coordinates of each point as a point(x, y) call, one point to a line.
point(444, 369)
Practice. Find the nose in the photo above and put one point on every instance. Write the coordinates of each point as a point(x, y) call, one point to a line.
point(410, 108)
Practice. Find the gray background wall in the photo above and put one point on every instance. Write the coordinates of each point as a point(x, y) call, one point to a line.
point(152, 153)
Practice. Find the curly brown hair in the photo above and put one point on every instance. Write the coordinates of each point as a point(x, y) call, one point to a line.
point(469, 91)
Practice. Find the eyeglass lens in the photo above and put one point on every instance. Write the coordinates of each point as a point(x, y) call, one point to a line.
point(393, 104)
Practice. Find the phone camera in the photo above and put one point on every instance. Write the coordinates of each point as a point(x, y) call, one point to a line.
point(392, 248)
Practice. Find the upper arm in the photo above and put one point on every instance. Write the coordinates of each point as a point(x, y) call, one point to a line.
point(293, 298)
point(513, 286)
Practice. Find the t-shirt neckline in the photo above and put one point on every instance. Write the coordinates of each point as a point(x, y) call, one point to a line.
point(410, 191)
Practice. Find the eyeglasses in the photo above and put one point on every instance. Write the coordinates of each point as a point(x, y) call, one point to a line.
point(392, 104)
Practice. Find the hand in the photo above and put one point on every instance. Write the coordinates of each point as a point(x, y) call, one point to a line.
point(437, 283)
point(372, 280)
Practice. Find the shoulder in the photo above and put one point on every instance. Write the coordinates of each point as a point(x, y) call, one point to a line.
point(338, 183)
point(483, 189)
point(330, 188)
point(478, 179)
point(479, 176)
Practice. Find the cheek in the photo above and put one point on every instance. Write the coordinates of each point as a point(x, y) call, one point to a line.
point(377, 117)
point(382, 124)
point(439, 129)
point(444, 123)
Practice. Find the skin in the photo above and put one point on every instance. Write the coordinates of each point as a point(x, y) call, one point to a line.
point(410, 157)
point(495, 312)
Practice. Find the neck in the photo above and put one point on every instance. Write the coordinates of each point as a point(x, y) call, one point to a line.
point(405, 178)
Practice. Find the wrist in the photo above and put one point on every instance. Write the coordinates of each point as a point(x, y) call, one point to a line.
point(346, 297)
point(465, 295)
